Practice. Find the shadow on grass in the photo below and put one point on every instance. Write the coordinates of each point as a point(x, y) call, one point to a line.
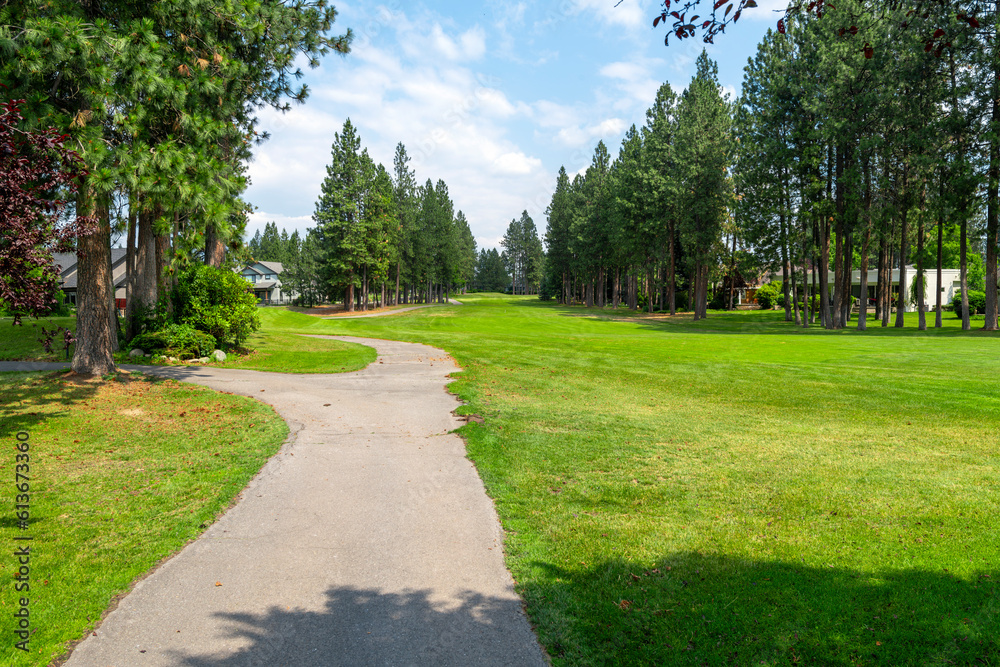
point(369, 627)
point(755, 322)
point(21, 398)
point(693, 609)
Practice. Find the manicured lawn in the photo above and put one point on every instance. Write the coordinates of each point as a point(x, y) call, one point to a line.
point(122, 475)
point(21, 343)
point(732, 491)
point(291, 353)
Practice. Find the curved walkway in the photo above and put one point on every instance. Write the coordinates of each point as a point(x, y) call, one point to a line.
point(387, 312)
point(367, 540)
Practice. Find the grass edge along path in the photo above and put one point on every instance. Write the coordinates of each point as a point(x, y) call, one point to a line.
point(108, 502)
point(733, 491)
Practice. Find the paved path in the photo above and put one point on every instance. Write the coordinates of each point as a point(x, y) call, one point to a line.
point(387, 312)
point(367, 540)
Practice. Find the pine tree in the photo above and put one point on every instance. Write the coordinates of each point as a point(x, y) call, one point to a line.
point(340, 226)
point(703, 160)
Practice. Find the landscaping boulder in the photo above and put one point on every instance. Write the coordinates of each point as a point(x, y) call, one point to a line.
point(218, 355)
point(136, 352)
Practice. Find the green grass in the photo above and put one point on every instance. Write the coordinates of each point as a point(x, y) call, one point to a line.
point(21, 343)
point(291, 353)
point(281, 352)
point(732, 491)
point(107, 501)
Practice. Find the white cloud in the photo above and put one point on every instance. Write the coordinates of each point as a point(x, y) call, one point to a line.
point(416, 88)
point(289, 223)
point(516, 163)
point(766, 10)
point(578, 137)
point(635, 81)
point(627, 13)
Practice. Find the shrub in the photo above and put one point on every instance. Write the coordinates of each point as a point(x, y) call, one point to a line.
point(217, 301)
point(977, 302)
point(768, 296)
point(720, 300)
point(178, 340)
point(681, 301)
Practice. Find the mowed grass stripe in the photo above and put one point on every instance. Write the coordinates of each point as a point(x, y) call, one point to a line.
point(733, 491)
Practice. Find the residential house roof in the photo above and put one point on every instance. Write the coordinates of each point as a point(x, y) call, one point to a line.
point(274, 267)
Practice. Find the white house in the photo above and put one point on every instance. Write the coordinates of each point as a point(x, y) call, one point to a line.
point(266, 280)
point(950, 283)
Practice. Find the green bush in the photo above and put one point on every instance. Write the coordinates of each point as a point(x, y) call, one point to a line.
point(177, 340)
point(217, 301)
point(681, 301)
point(977, 303)
point(720, 300)
point(768, 296)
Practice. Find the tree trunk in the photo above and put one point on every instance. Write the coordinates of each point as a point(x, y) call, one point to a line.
point(993, 193)
point(940, 258)
point(672, 275)
point(732, 273)
point(784, 266)
point(846, 292)
point(863, 292)
point(903, 250)
point(964, 273)
point(113, 321)
point(865, 246)
point(806, 297)
point(215, 249)
point(94, 350)
point(163, 262)
point(919, 287)
point(130, 325)
point(824, 275)
point(395, 299)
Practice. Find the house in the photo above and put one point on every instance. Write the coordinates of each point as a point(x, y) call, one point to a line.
point(266, 280)
point(950, 284)
point(66, 265)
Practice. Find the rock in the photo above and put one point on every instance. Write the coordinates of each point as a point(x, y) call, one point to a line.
point(136, 352)
point(203, 360)
point(171, 358)
point(218, 355)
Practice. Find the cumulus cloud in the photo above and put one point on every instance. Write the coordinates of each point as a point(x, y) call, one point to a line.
point(628, 13)
point(577, 136)
point(418, 89)
point(516, 163)
point(766, 10)
point(635, 81)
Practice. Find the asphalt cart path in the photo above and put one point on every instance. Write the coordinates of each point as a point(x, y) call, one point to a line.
point(367, 540)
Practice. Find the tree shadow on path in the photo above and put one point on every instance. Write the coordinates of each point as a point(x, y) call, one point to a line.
point(370, 627)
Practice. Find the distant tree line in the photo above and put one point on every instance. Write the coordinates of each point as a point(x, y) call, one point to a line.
point(835, 159)
point(380, 238)
point(869, 138)
point(491, 272)
point(636, 230)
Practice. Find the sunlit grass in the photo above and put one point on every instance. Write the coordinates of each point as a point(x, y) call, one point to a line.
point(732, 491)
point(123, 474)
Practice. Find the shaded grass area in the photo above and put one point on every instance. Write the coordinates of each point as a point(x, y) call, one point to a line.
point(732, 491)
point(123, 474)
point(21, 343)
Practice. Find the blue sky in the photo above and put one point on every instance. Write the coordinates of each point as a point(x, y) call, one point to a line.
point(491, 97)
